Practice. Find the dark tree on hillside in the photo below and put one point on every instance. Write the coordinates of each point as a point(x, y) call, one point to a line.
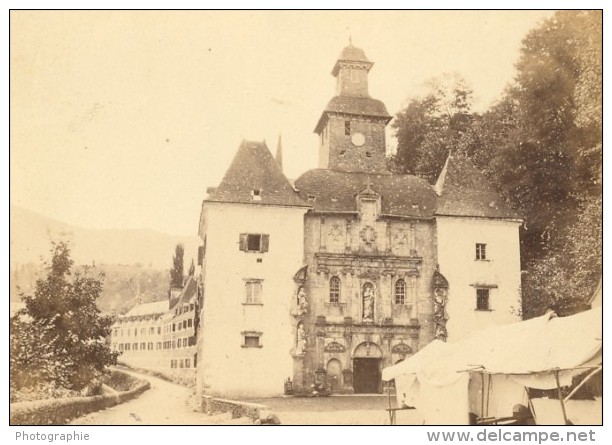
point(429, 127)
point(551, 165)
point(59, 337)
point(177, 271)
point(541, 147)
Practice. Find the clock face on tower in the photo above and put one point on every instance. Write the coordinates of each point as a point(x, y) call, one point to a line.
point(358, 139)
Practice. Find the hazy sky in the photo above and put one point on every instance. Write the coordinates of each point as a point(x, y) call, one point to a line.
point(122, 119)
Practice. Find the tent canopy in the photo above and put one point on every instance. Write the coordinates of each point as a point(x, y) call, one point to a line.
point(533, 346)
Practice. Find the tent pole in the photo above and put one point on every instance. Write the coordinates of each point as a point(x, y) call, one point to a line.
point(586, 379)
point(531, 409)
point(560, 396)
point(489, 384)
point(482, 414)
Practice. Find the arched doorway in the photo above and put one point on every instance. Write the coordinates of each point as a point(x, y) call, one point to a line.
point(334, 374)
point(367, 363)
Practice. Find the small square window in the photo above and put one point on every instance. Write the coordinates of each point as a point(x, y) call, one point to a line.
point(256, 194)
point(482, 300)
point(481, 251)
point(251, 339)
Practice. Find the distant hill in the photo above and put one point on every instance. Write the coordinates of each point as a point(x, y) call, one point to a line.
point(123, 286)
point(31, 235)
point(135, 263)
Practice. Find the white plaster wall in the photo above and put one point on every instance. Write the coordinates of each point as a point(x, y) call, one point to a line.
point(226, 367)
point(456, 241)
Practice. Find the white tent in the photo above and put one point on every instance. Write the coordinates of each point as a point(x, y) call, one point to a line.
point(487, 372)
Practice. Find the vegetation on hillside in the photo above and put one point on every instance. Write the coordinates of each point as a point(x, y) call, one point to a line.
point(540, 145)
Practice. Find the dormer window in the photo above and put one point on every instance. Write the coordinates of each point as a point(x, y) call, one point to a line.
point(256, 194)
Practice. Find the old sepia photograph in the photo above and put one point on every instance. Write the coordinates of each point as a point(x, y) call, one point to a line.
point(306, 218)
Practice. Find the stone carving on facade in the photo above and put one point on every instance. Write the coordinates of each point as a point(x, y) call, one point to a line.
point(336, 233)
point(334, 347)
point(301, 341)
point(368, 234)
point(401, 349)
point(368, 302)
point(302, 300)
point(440, 316)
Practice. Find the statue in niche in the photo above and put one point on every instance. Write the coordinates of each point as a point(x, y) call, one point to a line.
point(368, 302)
point(440, 316)
point(439, 285)
point(302, 299)
point(300, 347)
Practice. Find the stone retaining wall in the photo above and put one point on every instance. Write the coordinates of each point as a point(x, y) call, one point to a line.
point(61, 411)
point(212, 405)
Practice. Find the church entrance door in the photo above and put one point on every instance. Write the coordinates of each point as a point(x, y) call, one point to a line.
point(366, 375)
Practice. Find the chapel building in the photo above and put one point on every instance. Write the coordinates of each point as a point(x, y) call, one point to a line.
point(351, 268)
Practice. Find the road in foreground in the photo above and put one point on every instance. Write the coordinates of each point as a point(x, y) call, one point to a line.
point(166, 403)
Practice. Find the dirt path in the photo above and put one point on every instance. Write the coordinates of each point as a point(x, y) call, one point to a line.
point(168, 403)
point(165, 403)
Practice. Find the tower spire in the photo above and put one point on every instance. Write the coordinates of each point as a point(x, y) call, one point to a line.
point(279, 152)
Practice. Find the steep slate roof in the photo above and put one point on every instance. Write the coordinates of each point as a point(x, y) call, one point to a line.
point(334, 191)
point(188, 291)
point(254, 168)
point(464, 191)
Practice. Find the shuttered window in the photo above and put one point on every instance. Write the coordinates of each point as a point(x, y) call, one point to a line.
point(254, 242)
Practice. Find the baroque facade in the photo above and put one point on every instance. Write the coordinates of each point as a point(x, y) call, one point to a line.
point(351, 268)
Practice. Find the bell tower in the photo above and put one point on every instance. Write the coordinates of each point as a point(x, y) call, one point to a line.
point(352, 127)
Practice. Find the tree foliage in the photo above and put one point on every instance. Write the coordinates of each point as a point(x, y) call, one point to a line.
point(178, 270)
point(59, 337)
point(540, 145)
point(429, 126)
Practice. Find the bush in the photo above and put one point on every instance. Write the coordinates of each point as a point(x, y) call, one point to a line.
point(120, 381)
point(59, 338)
